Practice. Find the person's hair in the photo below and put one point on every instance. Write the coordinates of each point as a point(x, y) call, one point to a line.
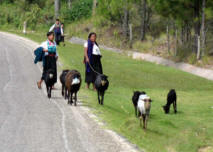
point(62, 23)
point(57, 19)
point(50, 33)
point(90, 34)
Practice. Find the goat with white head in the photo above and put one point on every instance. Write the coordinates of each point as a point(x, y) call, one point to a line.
point(144, 106)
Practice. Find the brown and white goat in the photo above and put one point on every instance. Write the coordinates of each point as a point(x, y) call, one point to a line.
point(72, 85)
point(144, 106)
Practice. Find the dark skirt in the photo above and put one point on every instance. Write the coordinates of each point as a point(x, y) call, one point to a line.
point(62, 39)
point(50, 63)
point(97, 66)
point(57, 38)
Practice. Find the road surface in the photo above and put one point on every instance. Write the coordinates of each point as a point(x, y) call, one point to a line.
point(29, 122)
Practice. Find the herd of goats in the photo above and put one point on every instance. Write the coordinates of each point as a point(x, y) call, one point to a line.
point(71, 83)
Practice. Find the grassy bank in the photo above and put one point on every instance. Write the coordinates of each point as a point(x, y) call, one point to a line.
point(187, 131)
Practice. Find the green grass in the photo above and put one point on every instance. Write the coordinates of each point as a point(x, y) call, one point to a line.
point(187, 131)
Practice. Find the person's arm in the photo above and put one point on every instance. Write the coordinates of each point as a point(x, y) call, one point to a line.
point(85, 54)
point(62, 31)
point(56, 55)
point(44, 46)
point(52, 28)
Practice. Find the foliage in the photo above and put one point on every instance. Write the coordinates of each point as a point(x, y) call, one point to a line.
point(80, 9)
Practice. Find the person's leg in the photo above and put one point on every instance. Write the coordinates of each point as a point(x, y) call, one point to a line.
point(39, 83)
point(94, 87)
point(87, 85)
point(41, 80)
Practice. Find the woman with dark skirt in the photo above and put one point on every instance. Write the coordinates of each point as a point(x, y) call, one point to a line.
point(92, 60)
point(51, 56)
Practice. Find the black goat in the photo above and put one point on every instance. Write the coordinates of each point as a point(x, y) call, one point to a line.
point(101, 85)
point(135, 98)
point(49, 81)
point(72, 85)
point(63, 79)
point(171, 99)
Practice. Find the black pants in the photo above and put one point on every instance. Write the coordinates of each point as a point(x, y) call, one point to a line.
point(50, 63)
point(97, 66)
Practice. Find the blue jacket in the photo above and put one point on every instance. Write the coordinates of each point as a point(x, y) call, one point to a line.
point(39, 55)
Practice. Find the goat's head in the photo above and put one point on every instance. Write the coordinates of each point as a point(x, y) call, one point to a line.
point(147, 101)
point(104, 79)
point(76, 79)
point(50, 73)
point(166, 109)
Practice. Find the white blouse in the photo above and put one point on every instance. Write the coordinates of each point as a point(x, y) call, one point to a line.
point(95, 51)
point(44, 45)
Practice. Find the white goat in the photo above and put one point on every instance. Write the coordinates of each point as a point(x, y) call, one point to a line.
point(144, 106)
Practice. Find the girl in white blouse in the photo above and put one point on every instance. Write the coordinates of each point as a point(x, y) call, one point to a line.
point(92, 59)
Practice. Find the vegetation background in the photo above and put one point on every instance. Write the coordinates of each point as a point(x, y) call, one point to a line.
point(180, 30)
point(173, 29)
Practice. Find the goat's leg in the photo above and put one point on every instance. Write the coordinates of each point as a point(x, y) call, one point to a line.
point(144, 121)
point(71, 98)
point(99, 101)
point(139, 114)
point(47, 90)
point(65, 97)
point(62, 90)
point(50, 90)
point(175, 107)
point(102, 98)
point(75, 98)
point(136, 111)
point(68, 97)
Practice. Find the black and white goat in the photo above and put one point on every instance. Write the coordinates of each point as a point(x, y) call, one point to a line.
point(101, 85)
point(144, 106)
point(135, 98)
point(49, 81)
point(63, 79)
point(171, 99)
point(72, 85)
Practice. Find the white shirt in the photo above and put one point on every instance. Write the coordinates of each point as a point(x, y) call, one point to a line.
point(95, 50)
point(44, 45)
point(52, 29)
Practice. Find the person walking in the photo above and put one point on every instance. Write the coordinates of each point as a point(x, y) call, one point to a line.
point(92, 60)
point(56, 28)
point(62, 34)
point(51, 56)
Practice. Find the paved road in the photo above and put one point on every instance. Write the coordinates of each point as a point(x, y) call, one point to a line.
point(29, 122)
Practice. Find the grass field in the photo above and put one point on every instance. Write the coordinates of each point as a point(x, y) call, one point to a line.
point(190, 130)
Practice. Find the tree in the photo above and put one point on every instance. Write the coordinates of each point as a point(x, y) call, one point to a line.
point(57, 8)
point(69, 2)
point(203, 33)
point(143, 19)
point(126, 20)
point(94, 7)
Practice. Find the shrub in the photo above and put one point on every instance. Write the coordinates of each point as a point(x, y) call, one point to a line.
point(80, 9)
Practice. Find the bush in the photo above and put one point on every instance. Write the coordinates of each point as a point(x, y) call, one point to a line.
point(80, 9)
